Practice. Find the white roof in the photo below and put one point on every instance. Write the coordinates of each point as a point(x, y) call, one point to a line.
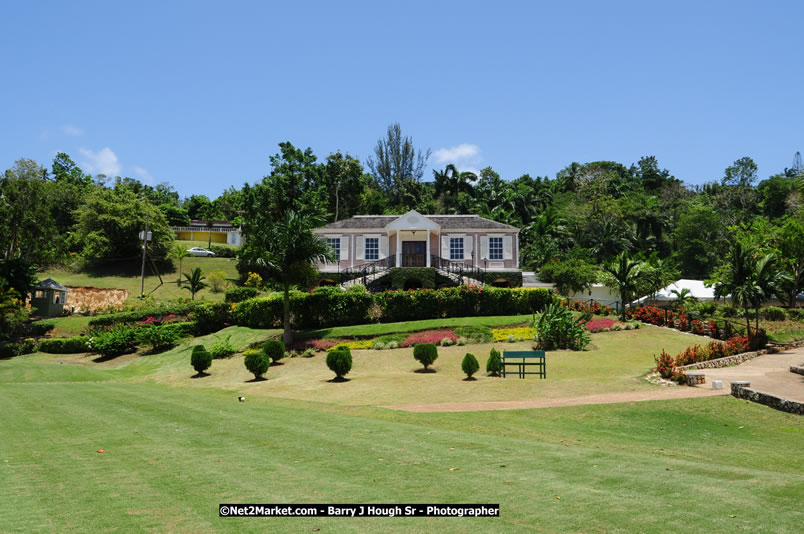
point(696, 287)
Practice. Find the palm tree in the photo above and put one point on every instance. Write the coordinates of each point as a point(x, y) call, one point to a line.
point(290, 257)
point(449, 183)
point(683, 297)
point(195, 281)
point(625, 277)
point(178, 252)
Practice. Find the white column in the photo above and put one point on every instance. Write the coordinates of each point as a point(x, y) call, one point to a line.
point(352, 250)
point(516, 245)
point(398, 250)
point(428, 248)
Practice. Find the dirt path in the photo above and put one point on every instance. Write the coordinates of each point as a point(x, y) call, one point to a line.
point(769, 373)
point(666, 393)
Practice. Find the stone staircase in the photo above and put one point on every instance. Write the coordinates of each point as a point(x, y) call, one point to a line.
point(369, 278)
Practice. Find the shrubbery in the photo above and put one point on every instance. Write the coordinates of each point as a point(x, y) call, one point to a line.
point(239, 294)
point(426, 354)
point(159, 313)
point(469, 365)
point(65, 345)
point(556, 328)
point(114, 341)
point(494, 363)
point(274, 349)
point(158, 337)
point(339, 362)
point(212, 317)
point(200, 359)
point(222, 348)
point(257, 363)
point(773, 313)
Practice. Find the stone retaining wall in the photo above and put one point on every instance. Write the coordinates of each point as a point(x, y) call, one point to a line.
point(742, 391)
point(725, 362)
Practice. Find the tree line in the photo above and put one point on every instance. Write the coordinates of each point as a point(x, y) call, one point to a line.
point(571, 224)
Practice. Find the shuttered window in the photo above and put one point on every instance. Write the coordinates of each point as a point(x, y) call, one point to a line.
point(495, 248)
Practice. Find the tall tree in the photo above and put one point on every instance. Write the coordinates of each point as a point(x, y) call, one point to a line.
point(397, 165)
point(344, 181)
point(28, 230)
point(624, 278)
point(286, 251)
point(741, 173)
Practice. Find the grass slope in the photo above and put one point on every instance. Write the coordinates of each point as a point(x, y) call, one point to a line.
point(173, 455)
point(127, 276)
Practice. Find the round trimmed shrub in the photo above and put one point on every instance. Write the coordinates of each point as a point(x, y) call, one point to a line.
point(274, 349)
point(470, 365)
point(200, 359)
point(339, 362)
point(494, 363)
point(257, 363)
point(425, 353)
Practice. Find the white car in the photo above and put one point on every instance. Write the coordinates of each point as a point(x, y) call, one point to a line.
point(198, 251)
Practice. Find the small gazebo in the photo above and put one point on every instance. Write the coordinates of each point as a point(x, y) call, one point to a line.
point(49, 298)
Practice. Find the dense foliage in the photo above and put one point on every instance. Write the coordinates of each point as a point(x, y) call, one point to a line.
point(257, 363)
point(494, 363)
point(557, 328)
point(274, 349)
point(469, 365)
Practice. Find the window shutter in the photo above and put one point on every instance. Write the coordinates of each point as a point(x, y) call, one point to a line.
point(383, 247)
point(345, 248)
point(467, 247)
point(508, 247)
point(484, 247)
point(445, 246)
point(359, 247)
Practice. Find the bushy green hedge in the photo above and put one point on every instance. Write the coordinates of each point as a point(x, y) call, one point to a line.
point(239, 294)
point(182, 308)
point(332, 306)
point(223, 252)
point(212, 317)
point(274, 349)
point(64, 345)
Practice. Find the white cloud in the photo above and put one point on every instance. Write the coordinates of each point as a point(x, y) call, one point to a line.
point(463, 152)
point(72, 131)
point(144, 175)
point(104, 161)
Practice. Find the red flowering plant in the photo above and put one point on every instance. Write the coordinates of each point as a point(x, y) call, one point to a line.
point(665, 364)
point(697, 327)
point(714, 331)
point(600, 325)
point(683, 322)
point(429, 336)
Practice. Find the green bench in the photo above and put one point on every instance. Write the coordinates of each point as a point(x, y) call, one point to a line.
point(523, 360)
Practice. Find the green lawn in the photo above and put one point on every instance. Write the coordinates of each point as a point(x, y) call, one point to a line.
point(173, 454)
point(177, 447)
point(370, 330)
point(203, 244)
point(127, 276)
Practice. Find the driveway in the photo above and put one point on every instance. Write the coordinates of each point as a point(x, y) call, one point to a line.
point(769, 373)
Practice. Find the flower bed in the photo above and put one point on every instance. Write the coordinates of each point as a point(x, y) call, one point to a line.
point(601, 324)
point(666, 365)
point(523, 332)
point(591, 307)
point(430, 336)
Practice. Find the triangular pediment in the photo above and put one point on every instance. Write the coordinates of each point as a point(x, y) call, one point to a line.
point(412, 220)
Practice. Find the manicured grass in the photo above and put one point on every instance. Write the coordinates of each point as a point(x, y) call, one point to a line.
point(368, 330)
point(127, 276)
point(615, 364)
point(173, 454)
point(68, 326)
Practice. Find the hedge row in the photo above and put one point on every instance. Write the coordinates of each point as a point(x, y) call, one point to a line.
point(181, 308)
point(334, 307)
point(64, 345)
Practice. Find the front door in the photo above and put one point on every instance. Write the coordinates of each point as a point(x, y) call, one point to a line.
point(413, 254)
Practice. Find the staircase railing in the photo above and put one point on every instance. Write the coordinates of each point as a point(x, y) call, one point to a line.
point(366, 270)
point(457, 268)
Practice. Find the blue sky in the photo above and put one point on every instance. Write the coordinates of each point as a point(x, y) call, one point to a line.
point(198, 94)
